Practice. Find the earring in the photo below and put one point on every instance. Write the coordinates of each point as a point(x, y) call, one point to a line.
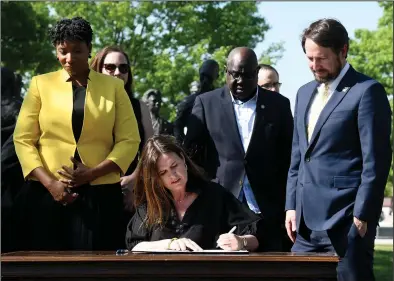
point(90, 56)
point(185, 165)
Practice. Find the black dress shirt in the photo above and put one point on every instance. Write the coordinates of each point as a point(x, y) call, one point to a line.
point(79, 95)
point(214, 212)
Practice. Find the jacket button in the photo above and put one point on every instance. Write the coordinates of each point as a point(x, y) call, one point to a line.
point(307, 159)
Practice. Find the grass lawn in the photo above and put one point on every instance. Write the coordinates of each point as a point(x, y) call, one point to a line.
point(383, 262)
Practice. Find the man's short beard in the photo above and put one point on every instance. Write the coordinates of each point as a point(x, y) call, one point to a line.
point(326, 79)
point(330, 76)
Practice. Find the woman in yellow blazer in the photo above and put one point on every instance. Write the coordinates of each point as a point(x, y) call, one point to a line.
point(75, 135)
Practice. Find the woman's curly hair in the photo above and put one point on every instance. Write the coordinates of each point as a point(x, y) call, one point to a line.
point(75, 29)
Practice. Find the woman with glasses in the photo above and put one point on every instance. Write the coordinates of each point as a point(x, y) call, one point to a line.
point(75, 134)
point(114, 61)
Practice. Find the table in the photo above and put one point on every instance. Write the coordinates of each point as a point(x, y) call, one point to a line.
point(148, 266)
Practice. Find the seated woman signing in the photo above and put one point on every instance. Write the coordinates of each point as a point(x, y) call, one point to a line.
point(178, 209)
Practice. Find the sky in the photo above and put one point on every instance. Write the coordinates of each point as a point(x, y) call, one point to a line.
point(289, 19)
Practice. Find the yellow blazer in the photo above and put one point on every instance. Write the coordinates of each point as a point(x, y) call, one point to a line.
point(44, 136)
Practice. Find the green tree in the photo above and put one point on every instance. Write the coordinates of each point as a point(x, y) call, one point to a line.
point(272, 54)
point(25, 47)
point(390, 181)
point(371, 52)
point(166, 41)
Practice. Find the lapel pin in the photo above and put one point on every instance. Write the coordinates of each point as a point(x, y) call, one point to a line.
point(262, 106)
point(345, 89)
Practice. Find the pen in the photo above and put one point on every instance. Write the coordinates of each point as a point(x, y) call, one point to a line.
point(230, 232)
point(122, 252)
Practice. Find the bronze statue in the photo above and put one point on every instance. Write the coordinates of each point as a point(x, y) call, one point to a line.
point(209, 72)
point(11, 102)
point(153, 100)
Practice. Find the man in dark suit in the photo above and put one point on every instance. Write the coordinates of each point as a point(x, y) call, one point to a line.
point(209, 72)
point(340, 157)
point(246, 132)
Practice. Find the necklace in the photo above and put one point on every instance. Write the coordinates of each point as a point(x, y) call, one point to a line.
point(180, 201)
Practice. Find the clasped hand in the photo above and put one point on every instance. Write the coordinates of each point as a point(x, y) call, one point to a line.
point(74, 178)
point(61, 193)
point(230, 242)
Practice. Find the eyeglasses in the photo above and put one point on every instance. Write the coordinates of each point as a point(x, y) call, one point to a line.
point(111, 67)
point(271, 85)
point(237, 75)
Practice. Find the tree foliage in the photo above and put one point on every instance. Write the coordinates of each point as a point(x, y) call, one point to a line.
point(25, 46)
point(166, 41)
point(272, 54)
point(371, 52)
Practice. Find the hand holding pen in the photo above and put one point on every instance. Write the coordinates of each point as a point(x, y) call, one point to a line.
point(229, 241)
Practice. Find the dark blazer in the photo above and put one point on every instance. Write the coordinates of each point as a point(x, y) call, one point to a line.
point(213, 127)
point(184, 109)
point(342, 172)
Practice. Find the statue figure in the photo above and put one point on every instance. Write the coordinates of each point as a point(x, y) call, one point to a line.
point(153, 100)
point(11, 102)
point(209, 72)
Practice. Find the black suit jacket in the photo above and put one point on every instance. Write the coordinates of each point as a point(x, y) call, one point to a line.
point(213, 128)
point(184, 109)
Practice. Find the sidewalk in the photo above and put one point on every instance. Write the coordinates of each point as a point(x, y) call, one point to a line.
point(380, 241)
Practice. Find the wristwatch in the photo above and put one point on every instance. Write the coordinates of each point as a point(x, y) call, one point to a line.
point(244, 243)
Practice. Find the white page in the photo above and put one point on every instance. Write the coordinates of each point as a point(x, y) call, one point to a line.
point(194, 252)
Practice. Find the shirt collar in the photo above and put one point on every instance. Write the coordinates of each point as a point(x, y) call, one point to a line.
point(67, 76)
point(253, 100)
point(332, 85)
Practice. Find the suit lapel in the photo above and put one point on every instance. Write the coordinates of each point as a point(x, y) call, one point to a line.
point(337, 96)
point(259, 117)
point(304, 105)
point(230, 120)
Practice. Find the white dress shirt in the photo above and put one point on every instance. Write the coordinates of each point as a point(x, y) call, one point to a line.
point(245, 113)
point(317, 107)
